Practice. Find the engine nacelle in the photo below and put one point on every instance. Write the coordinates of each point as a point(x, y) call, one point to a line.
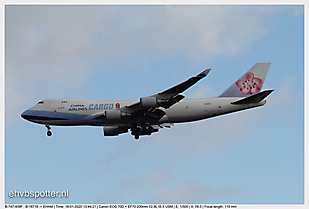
point(114, 130)
point(147, 102)
point(115, 115)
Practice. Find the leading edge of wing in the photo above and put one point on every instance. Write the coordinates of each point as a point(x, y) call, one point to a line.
point(179, 88)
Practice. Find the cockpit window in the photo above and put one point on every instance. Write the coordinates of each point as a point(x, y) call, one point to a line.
point(40, 102)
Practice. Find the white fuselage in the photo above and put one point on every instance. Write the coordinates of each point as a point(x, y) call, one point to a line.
point(73, 112)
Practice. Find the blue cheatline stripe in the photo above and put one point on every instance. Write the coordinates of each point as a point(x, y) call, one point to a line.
point(32, 117)
point(49, 115)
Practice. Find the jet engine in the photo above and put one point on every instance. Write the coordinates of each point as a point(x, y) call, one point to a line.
point(114, 130)
point(115, 115)
point(147, 102)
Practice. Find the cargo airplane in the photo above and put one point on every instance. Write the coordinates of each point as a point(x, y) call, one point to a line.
point(148, 114)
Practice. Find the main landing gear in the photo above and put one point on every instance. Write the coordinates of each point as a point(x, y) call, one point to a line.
point(49, 133)
point(136, 131)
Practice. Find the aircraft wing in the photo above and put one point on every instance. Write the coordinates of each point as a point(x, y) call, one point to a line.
point(147, 108)
point(172, 95)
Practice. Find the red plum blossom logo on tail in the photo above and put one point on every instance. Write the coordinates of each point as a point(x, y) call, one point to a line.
point(248, 84)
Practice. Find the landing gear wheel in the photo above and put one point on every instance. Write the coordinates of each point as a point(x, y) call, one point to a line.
point(49, 133)
point(136, 137)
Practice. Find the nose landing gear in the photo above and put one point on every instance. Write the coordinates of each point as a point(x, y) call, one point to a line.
point(49, 133)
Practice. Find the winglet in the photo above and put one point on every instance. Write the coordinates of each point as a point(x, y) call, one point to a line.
point(204, 73)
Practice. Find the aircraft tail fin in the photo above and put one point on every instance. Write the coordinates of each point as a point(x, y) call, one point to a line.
point(250, 83)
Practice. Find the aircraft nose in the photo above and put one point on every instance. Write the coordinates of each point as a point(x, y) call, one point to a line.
point(25, 115)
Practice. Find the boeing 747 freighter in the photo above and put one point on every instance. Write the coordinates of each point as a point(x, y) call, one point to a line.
point(148, 114)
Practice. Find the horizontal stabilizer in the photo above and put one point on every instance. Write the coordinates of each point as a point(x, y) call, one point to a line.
point(254, 98)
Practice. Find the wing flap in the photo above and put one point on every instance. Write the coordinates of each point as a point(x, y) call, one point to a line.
point(172, 101)
point(157, 114)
